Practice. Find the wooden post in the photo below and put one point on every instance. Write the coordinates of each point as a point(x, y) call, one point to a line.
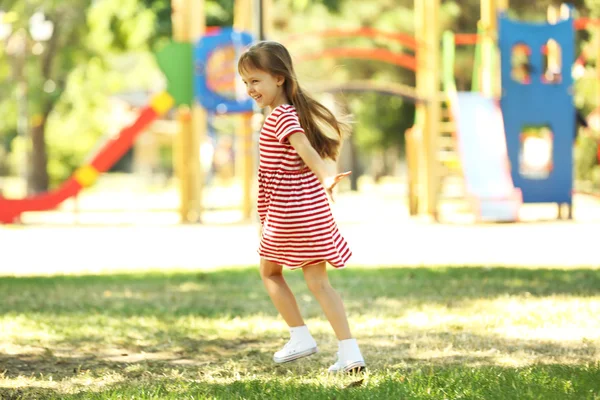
point(181, 153)
point(181, 27)
point(179, 20)
point(419, 175)
point(243, 21)
point(598, 68)
point(431, 132)
point(489, 27)
point(490, 57)
point(428, 111)
point(502, 5)
point(242, 15)
point(188, 26)
point(412, 160)
point(248, 164)
point(267, 18)
point(199, 120)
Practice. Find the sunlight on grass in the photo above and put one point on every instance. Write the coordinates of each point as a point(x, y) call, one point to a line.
point(424, 332)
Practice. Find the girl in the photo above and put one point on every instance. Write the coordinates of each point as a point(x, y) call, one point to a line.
point(297, 227)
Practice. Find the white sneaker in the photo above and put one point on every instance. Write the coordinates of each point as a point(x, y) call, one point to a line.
point(300, 345)
point(295, 349)
point(349, 358)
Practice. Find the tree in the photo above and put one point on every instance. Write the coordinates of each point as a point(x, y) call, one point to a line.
point(45, 74)
point(97, 49)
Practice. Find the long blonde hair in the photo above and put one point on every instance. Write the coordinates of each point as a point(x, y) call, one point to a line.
point(317, 120)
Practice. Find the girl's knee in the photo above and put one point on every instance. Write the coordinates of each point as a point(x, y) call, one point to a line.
point(316, 277)
point(317, 284)
point(268, 269)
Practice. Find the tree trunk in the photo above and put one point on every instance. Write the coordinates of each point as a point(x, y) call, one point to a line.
point(38, 177)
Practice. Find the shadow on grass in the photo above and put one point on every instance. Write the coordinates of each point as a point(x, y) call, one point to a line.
point(551, 381)
point(62, 304)
point(223, 357)
point(239, 292)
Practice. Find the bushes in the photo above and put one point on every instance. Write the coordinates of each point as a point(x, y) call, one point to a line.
point(587, 168)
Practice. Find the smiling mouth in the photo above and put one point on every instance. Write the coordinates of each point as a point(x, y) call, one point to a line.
point(256, 98)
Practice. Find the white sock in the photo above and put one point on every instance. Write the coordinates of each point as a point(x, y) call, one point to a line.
point(350, 350)
point(300, 332)
point(348, 345)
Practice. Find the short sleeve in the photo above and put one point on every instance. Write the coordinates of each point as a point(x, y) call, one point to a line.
point(286, 124)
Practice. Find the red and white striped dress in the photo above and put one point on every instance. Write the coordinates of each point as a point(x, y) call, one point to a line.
point(298, 228)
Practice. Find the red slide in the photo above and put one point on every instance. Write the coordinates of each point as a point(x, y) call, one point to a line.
point(108, 155)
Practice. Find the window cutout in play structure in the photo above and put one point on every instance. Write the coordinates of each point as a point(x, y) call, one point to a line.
point(535, 154)
point(552, 62)
point(520, 63)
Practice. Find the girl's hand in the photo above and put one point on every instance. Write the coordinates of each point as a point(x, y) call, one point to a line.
point(331, 181)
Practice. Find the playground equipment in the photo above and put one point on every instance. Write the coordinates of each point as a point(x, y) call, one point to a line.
point(176, 61)
point(85, 176)
point(182, 70)
point(521, 150)
point(194, 63)
point(538, 107)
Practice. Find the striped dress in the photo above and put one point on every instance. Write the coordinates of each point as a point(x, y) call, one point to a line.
point(298, 228)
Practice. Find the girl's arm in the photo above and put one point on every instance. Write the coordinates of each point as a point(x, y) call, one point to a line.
point(309, 155)
point(311, 158)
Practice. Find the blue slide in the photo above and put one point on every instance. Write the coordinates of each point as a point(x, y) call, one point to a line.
point(481, 144)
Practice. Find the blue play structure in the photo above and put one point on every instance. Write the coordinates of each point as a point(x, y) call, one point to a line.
point(537, 107)
point(210, 99)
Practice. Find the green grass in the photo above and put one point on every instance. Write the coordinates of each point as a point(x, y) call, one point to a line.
point(426, 333)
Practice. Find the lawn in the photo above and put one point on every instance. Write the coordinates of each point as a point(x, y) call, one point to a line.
point(426, 333)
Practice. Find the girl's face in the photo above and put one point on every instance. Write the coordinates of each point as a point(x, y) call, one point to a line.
point(264, 88)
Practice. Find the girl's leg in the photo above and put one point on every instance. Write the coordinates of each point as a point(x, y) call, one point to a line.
point(280, 293)
point(328, 298)
point(350, 358)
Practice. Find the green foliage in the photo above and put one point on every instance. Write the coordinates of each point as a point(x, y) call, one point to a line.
point(587, 170)
point(594, 7)
point(102, 48)
point(119, 25)
point(381, 120)
point(163, 27)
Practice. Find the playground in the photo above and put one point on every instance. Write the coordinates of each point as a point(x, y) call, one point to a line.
point(474, 271)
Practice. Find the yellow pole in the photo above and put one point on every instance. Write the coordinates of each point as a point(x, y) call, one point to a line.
point(428, 113)
point(490, 65)
point(419, 175)
point(242, 15)
point(433, 106)
point(181, 28)
point(182, 160)
point(243, 21)
point(199, 120)
point(188, 26)
point(179, 20)
point(489, 28)
point(412, 164)
point(598, 67)
point(267, 17)
point(503, 5)
point(247, 165)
